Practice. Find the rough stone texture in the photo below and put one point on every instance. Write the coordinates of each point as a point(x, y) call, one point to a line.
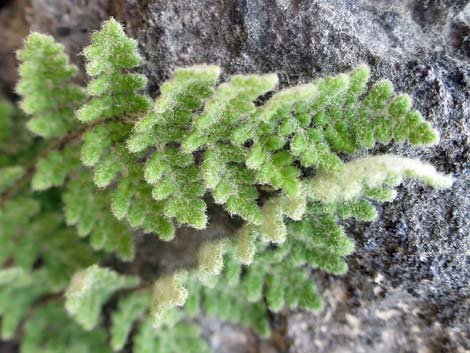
point(408, 286)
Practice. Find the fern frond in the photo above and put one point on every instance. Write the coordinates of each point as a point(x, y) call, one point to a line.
point(18, 291)
point(51, 330)
point(129, 310)
point(168, 293)
point(89, 211)
point(179, 338)
point(90, 289)
point(6, 124)
point(114, 94)
point(9, 175)
point(54, 168)
point(373, 172)
point(48, 95)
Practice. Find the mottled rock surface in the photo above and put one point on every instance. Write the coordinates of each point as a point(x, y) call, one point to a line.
point(408, 286)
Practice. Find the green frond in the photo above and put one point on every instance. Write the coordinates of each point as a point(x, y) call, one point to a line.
point(351, 124)
point(300, 124)
point(90, 289)
point(29, 233)
point(283, 102)
point(234, 99)
point(320, 240)
point(211, 260)
point(130, 309)
point(51, 330)
point(360, 209)
point(179, 98)
point(48, 96)
point(111, 50)
point(9, 175)
point(372, 172)
point(18, 291)
point(96, 141)
point(54, 168)
point(182, 337)
point(114, 93)
point(168, 293)
point(381, 194)
point(6, 124)
point(294, 207)
point(90, 212)
point(245, 247)
point(273, 228)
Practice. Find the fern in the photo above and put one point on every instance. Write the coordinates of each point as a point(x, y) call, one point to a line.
point(44, 64)
point(179, 338)
point(114, 94)
point(18, 291)
point(90, 213)
point(6, 124)
point(130, 309)
point(50, 330)
point(9, 175)
point(89, 289)
point(284, 161)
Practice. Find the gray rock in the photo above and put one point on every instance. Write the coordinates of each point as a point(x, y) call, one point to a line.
point(408, 285)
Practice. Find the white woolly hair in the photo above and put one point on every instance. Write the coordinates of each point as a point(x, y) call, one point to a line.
point(373, 172)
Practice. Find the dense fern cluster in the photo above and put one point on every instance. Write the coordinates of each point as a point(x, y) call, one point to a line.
point(112, 165)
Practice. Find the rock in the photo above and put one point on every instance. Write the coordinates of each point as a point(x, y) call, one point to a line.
point(408, 285)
